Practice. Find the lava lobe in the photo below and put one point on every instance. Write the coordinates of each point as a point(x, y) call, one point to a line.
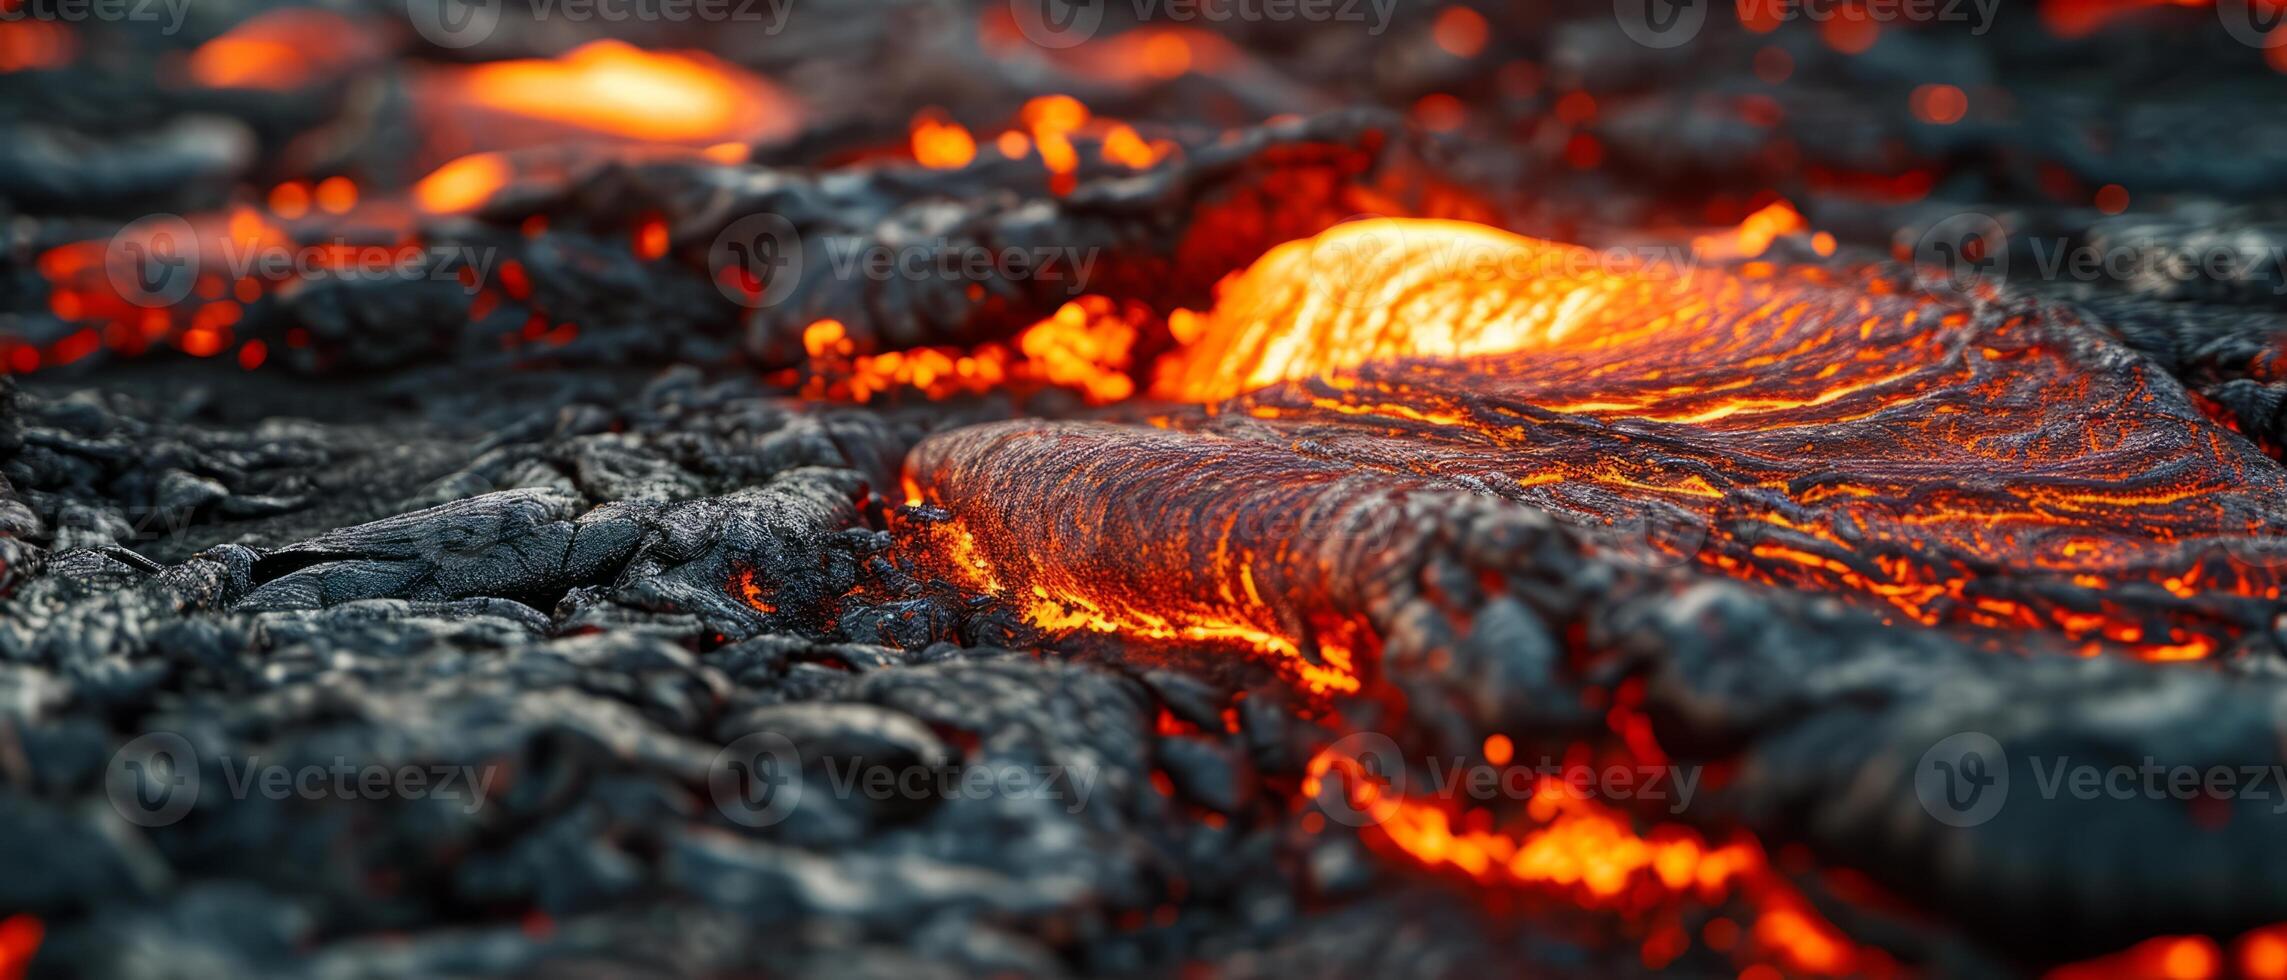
point(1945, 458)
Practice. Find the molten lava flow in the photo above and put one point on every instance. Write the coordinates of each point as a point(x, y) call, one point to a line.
point(1941, 459)
point(1368, 397)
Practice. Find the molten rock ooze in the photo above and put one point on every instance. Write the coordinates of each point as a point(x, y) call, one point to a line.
point(1950, 461)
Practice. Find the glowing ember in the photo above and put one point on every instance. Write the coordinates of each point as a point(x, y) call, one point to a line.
point(86, 280)
point(462, 184)
point(941, 144)
point(1084, 346)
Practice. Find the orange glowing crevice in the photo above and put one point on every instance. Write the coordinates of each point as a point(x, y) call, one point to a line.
point(1593, 856)
point(1084, 346)
point(752, 592)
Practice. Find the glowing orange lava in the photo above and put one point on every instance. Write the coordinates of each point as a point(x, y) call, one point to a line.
point(615, 89)
point(1593, 856)
point(462, 184)
point(1083, 346)
point(942, 144)
point(1366, 399)
point(1889, 445)
point(281, 49)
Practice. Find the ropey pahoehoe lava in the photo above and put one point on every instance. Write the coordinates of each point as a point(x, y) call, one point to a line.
point(1949, 460)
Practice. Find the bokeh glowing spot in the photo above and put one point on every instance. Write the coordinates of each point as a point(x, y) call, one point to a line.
point(1460, 30)
point(940, 143)
point(2112, 199)
point(1939, 105)
point(462, 184)
point(282, 49)
point(617, 89)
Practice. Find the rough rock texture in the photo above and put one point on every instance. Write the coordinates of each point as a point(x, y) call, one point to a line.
point(683, 687)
